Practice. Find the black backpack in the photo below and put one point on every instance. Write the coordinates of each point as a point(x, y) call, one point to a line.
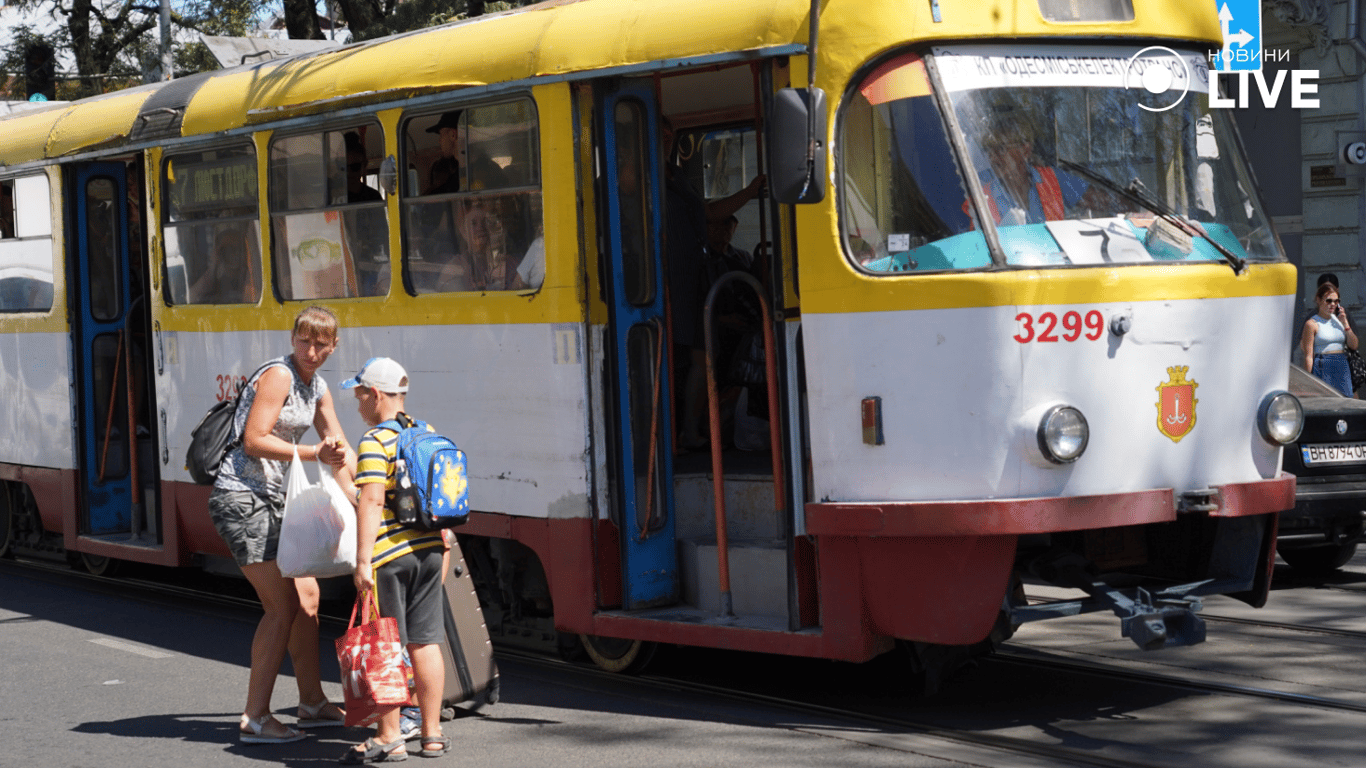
point(213, 437)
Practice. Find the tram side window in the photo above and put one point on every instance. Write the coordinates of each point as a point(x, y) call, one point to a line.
point(902, 199)
point(331, 227)
point(472, 200)
point(213, 248)
point(25, 244)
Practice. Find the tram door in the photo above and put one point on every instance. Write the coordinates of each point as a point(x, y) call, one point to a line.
point(100, 309)
point(639, 354)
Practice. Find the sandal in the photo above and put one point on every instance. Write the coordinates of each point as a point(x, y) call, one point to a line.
point(322, 715)
point(443, 745)
point(253, 731)
point(374, 752)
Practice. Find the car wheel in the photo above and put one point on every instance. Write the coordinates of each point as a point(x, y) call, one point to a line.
point(1319, 559)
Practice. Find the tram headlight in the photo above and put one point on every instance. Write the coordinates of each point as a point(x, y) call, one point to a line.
point(1280, 418)
point(1063, 434)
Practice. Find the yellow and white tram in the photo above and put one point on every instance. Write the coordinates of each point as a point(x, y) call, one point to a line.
point(1028, 317)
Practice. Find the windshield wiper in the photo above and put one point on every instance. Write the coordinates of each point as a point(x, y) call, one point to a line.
point(1138, 194)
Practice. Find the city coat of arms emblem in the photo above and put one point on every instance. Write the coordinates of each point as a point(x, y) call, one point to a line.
point(1176, 403)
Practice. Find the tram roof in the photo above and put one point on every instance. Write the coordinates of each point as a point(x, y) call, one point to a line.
point(556, 38)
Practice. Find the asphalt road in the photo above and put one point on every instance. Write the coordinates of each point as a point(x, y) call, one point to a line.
point(98, 680)
point(93, 680)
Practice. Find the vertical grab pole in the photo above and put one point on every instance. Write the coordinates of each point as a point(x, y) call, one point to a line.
point(136, 512)
point(718, 478)
point(714, 411)
point(759, 152)
point(109, 416)
point(654, 433)
point(774, 432)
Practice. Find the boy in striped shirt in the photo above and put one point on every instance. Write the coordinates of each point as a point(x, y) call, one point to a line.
point(406, 563)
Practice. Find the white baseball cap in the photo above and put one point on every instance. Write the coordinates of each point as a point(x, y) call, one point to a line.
point(380, 373)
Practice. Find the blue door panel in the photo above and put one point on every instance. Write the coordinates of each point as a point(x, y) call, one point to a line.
point(101, 279)
point(639, 353)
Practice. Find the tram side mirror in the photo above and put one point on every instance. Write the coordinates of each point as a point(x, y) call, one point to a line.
point(787, 179)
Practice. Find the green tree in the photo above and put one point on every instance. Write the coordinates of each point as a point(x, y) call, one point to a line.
point(369, 19)
point(112, 41)
point(109, 40)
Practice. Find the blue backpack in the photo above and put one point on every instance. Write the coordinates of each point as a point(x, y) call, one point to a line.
point(431, 487)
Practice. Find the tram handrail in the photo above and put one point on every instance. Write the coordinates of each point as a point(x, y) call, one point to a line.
point(714, 414)
point(109, 412)
point(654, 431)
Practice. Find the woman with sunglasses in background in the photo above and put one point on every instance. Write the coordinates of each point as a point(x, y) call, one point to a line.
point(1327, 337)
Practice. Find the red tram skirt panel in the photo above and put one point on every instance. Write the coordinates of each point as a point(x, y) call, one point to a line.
point(883, 570)
point(938, 570)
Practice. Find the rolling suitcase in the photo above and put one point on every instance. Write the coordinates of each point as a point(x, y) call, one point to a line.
point(471, 672)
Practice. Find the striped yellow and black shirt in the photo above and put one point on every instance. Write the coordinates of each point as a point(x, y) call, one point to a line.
point(378, 456)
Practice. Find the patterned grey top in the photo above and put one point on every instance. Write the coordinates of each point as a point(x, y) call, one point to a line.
point(266, 477)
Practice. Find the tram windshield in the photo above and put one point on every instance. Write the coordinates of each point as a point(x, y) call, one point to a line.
point(1073, 167)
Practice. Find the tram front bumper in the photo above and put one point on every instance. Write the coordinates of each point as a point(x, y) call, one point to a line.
point(1049, 514)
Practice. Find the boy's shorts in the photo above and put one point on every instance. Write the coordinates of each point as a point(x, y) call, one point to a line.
point(410, 591)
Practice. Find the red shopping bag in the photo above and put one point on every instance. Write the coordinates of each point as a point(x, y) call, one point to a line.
point(374, 668)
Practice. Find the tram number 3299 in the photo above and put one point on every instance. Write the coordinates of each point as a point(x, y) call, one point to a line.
point(1045, 327)
point(228, 385)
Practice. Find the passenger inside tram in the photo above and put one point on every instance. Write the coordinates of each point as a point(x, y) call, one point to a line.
point(451, 137)
point(473, 225)
point(357, 163)
point(1019, 188)
point(481, 262)
point(367, 233)
point(227, 277)
point(481, 172)
point(688, 217)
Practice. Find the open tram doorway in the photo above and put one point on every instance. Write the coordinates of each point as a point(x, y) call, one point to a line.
point(116, 435)
point(700, 143)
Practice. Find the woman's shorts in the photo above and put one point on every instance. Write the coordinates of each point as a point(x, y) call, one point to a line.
point(249, 525)
point(410, 591)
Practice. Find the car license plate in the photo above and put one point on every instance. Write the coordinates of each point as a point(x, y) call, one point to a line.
point(1342, 453)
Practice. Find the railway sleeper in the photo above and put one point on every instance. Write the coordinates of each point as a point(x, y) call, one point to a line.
point(1151, 620)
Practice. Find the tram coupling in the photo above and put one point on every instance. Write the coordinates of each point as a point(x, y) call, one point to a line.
point(1154, 624)
point(1202, 501)
point(1169, 619)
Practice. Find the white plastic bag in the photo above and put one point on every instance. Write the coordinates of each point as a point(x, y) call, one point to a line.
point(318, 533)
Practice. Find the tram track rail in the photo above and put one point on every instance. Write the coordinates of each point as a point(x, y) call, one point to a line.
point(857, 720)
point(1309, 629)
point(1357, 588)
point(54, 572)
point(1037, 660)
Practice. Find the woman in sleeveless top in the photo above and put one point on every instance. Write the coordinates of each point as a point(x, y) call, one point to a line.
point(247, 503)
point(1326, 338)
